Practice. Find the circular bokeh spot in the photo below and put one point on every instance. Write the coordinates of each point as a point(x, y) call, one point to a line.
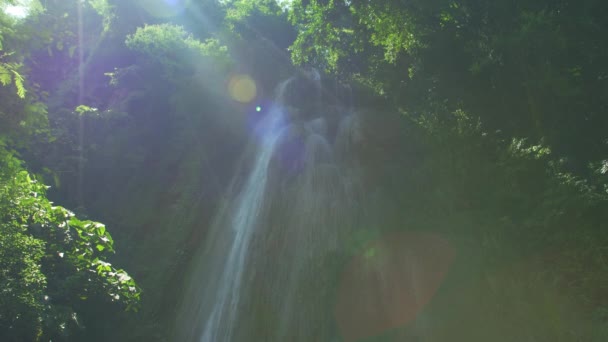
point(242, 88)
point(163, 8)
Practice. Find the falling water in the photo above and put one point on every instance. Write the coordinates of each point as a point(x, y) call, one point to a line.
point(264, 273)
point(243, 221)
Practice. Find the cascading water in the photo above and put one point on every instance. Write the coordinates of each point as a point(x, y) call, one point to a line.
point(243, 222)
point(265, 271)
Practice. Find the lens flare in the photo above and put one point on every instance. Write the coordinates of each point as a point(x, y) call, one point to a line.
point(164, 8)
point(387, 285)
point(242, 88)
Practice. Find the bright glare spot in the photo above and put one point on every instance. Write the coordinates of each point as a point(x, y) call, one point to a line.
point(242, 88)
point(258, 109)
point(17, 11)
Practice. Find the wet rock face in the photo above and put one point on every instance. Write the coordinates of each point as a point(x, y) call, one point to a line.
point(304, 95)
point(308, 96)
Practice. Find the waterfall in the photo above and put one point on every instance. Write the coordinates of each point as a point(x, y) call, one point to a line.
point(242, 223)
point(265, 271)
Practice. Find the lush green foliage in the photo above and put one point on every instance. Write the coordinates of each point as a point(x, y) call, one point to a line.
point(535, 69)
point(173, 47)
point(50, 260)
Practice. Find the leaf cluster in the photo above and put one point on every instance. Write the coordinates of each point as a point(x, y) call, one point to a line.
point(175, 51)
point(50, 260)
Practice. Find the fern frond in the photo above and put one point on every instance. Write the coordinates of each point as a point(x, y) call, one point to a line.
point(5, 75)
point(8, 74)
point(19, 84)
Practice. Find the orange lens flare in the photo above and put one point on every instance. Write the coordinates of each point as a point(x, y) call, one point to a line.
point(242, 88)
